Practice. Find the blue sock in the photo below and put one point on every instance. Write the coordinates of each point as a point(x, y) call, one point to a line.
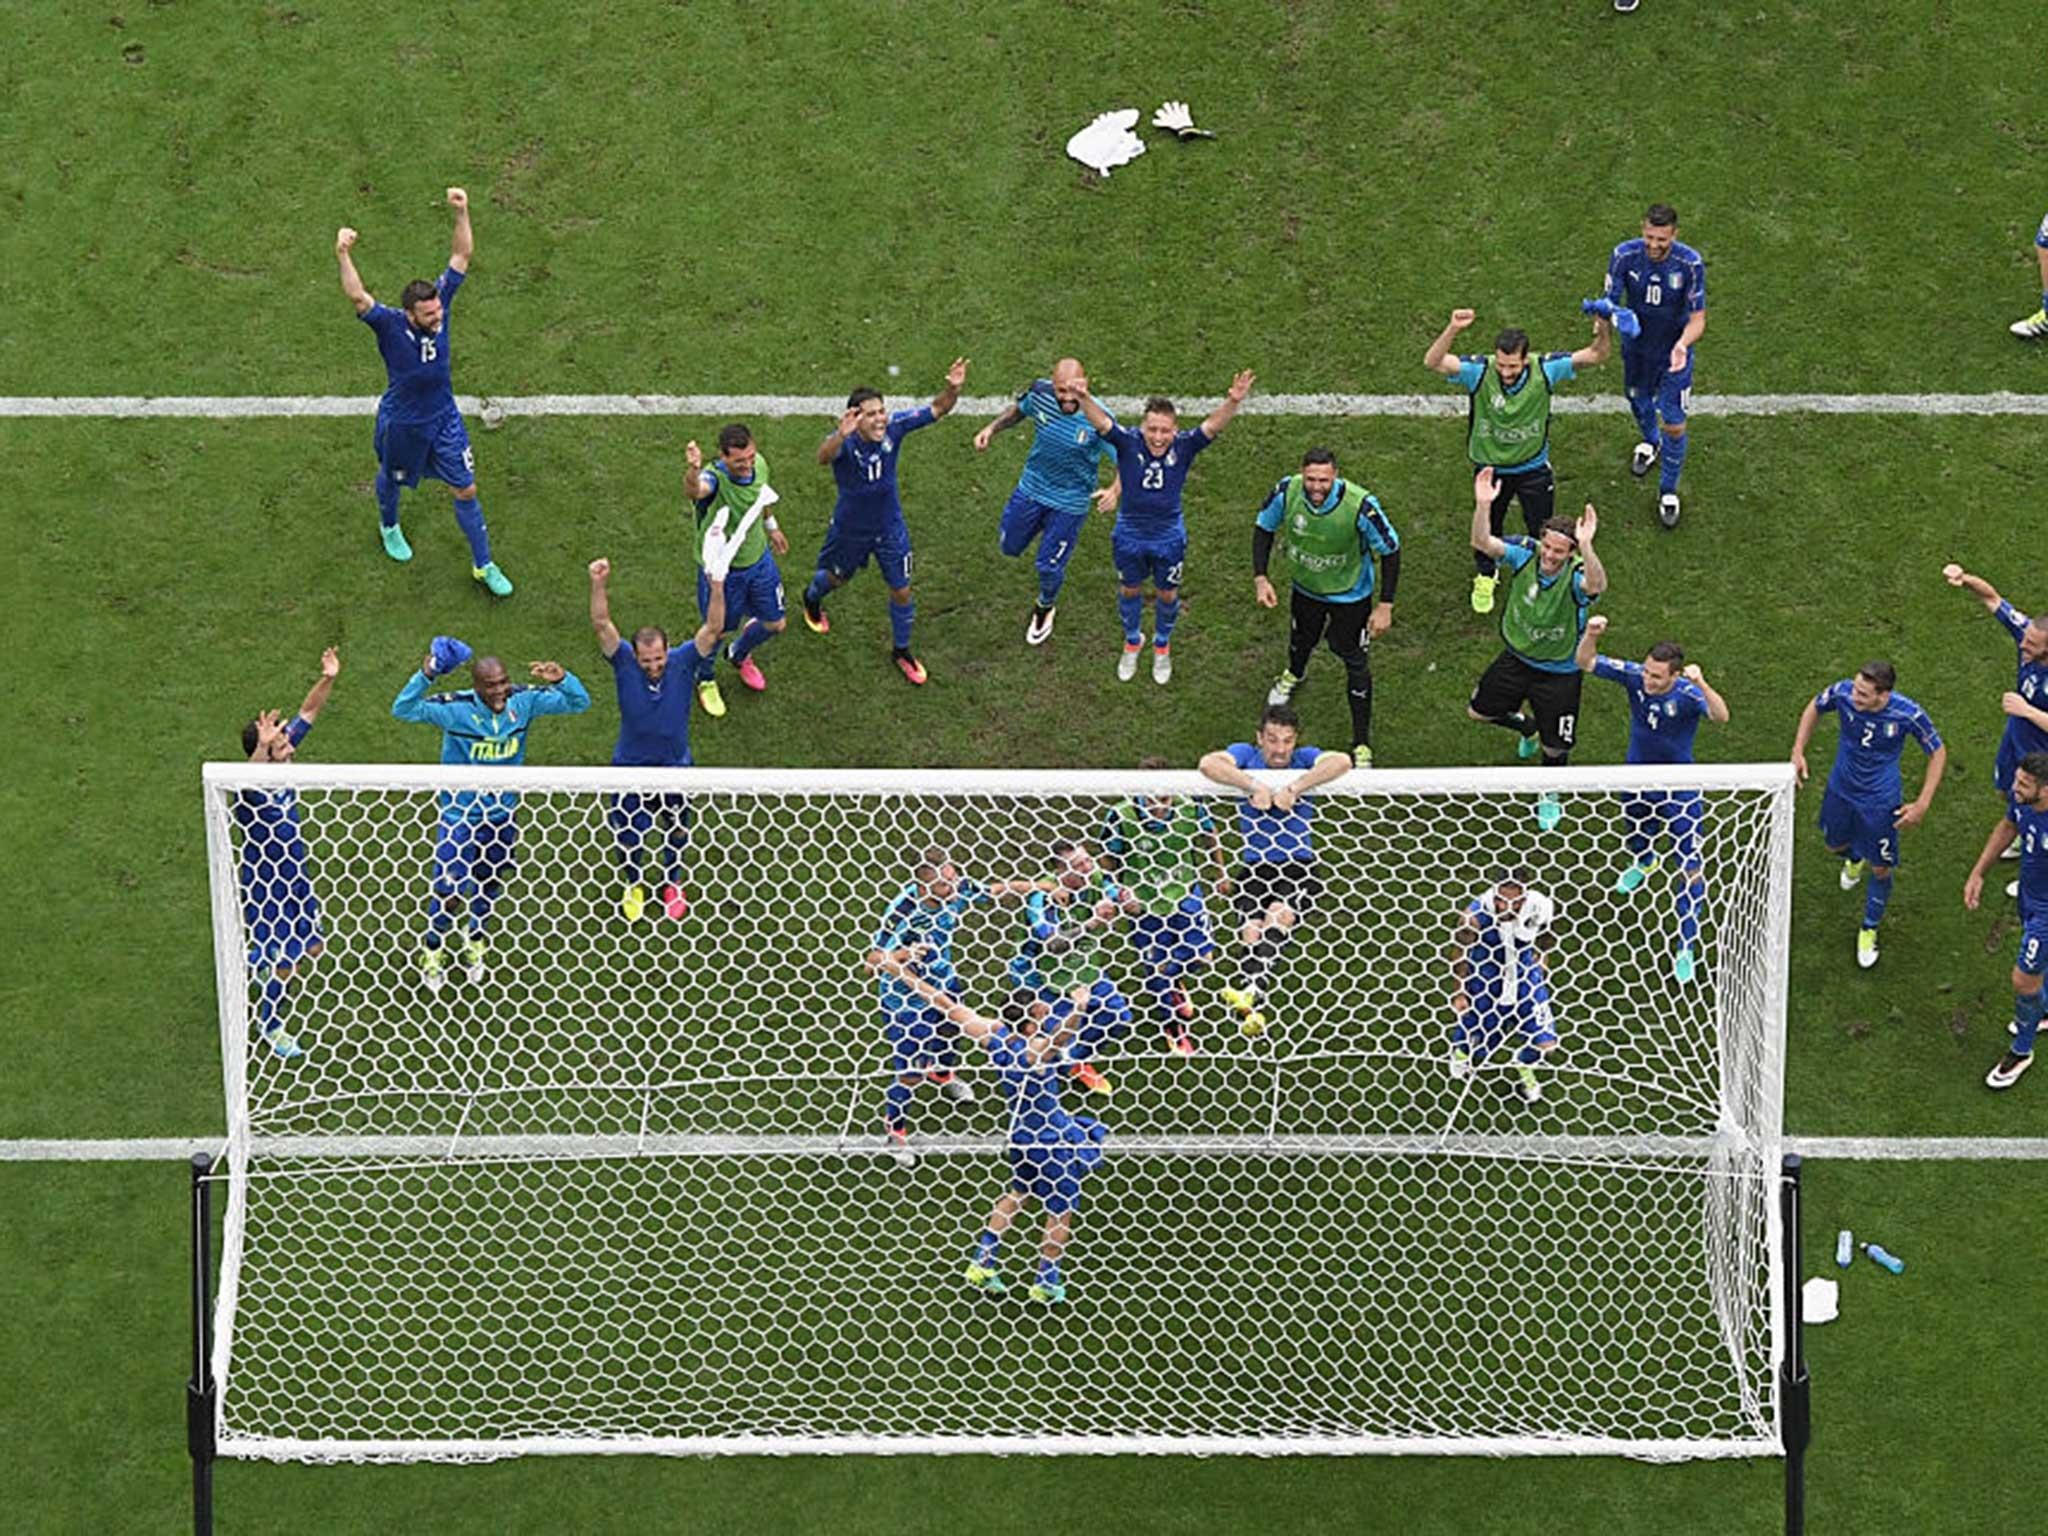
point(706, 666)
point(820, 585)
point(2044, 298)
point(985, 1247)
point(1165, 614)
point(1161, 987)
point(1645, 407)
point(750, 639)
point(1689, 891)
point(272, 1000)
point(896, 1106)
point(438, 919)
point(387, 500)
point(480, 910)
point(678, 844)
point(469, 516)
point(2026, 1009)
point(1673, 455)
point(1876, 894)
point(1132, 611)
point(1048, 1273)
point(901, 617)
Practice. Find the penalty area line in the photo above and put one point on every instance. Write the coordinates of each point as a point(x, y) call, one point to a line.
point(1880, 1149)
point(829, 407)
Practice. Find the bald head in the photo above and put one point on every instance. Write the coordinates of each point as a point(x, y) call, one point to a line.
point(493, 683)
point(1069, 384)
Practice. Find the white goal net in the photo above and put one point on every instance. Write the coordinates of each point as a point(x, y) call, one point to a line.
point(568, 1120)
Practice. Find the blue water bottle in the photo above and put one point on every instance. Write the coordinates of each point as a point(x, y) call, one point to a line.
point(1880, 1257)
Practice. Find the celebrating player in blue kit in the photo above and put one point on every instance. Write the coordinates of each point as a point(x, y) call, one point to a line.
point(867, 519)
point(654, 723)
point(2026, 706)
point(1150, 539)
point(1861, 815)
point(1057, 974)
point(419, 434)
point(1664, 283)
point(476, 838)
point(1053, 493)
point(280, 913)
point(2025, 825)
point(737, 480)
point(916, 937)
point(1050, 1150)
point(1499, 982)
point(1665, 708)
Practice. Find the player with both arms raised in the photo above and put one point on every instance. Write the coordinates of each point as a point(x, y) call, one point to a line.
point(419, 433)
point(867, 519)
point(1150, 539)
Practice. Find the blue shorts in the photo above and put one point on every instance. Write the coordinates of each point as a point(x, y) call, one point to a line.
point(434, 450)
point(1646, 374)
point(2033, 938)
point(282, 933)
point(1679, 812)
point(845, 552)
point(922, 1039)
point(1158, 561)
point(1053, 1171)
point(1057, 532)
point(753, 592)
point(2041, 234)
point(1023, 976)
point(470, 856)
point(1481, 1030)
point(1175, 940)
point(1869, 833)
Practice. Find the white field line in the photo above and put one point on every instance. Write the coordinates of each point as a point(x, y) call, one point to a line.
point(179, 1149)
point(828, 407)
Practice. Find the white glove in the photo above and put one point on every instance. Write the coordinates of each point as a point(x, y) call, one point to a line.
point(720, 546)
point(1178, 120)
point(1108, 142)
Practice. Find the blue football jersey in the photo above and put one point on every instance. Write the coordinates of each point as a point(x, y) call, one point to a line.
point(1059, 471)
point(1866, 770)
point(865, 473)
point(2032, 685)
point(1662, 293)
point(274, 861)
point(1150, 507)
point(1031, 1091)
point(1661, 726)
point(1488, 959)
point(654, 717)
point(2032, 843)
point(1272, 836)
point(418, 365)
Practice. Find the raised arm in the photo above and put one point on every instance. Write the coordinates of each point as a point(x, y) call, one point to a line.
point(1008, 418)
point(463, 245)
point(1484, 488)
point(835, 440)
point(1231, 403)
point(601, 608)
point(1717, 707)
point(351, 285)
point(1976, 586)
point(414, 707)
point(1595, 574)
point(1098, 418)
point(696, 484)
point(561, 692)
point(1589, 643)
point(1439, 358)
point(1602, 345)
point(956, 379)
point(316, 696)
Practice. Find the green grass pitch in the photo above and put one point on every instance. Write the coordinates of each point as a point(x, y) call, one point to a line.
point(714, 197)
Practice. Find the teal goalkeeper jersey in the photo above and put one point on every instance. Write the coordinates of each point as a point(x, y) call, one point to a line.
point(1059, 471)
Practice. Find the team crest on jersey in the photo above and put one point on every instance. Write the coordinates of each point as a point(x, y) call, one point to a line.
point(1499, 400)
point(1300, 523)
point(1676, 281)
point(1891, 728)
point(1081, 434)
point(1169, 458)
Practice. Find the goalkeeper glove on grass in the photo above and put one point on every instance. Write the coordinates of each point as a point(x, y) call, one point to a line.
point(1176, 119)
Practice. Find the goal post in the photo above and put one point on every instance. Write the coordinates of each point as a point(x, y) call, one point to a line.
point(1428, 1143)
